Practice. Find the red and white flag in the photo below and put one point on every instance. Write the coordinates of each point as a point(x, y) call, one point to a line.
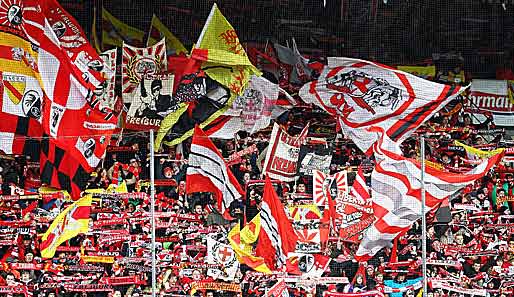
point(322, 183)
point(359, 188)
point(277, 236)
point(396, 193)
point(283, 152)
point(364, 94)
point(208, 172)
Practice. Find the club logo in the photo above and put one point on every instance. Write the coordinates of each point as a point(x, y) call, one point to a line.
point(89, 148)
point(367, 92)
point(31, 104)
point(59, 29)
point(15, 15)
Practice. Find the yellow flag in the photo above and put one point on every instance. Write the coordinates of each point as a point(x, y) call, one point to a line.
point(510, 90)
point(479, 153)
point(243, 252)
point(250, 231)
point(421, 71)
point(225, 60)
point(115, 32)
point(158, 31)
point(69, 223)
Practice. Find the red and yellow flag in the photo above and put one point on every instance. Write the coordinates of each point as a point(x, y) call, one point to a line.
point(71, 222)
point(244, 251)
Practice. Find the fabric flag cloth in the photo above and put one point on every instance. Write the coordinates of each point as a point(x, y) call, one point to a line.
point(115, 32)
point(364, 94)
point(277, 236)
point(71, 222)
point(314, 155)
point(59, 169)
point(222, 58)
point(322, 186)
point(105, 92)
point(224, 255)
point(159, 31)
point(282, 155)
point(208, 172)
point(244, 252)
point(396, 193)
point(293, 64)
point(250, 232)
point(359, 188)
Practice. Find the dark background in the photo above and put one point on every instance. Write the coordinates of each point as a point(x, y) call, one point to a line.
point(399, 32)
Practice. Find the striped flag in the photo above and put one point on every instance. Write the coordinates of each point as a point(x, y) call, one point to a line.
point(277, 236)
point(208, 172)
point(396, 191)
point(359, 188)
point(363, 94)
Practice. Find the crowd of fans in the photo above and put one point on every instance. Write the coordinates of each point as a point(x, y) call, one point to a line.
point(469, 243)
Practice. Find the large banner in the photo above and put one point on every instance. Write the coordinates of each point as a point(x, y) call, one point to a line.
point(282, 154)
point(490, 96)
point(353, 216)
point(140, 64)
point(105, 92)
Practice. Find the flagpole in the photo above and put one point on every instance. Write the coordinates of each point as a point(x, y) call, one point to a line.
point(152, 211)
point(423, 217)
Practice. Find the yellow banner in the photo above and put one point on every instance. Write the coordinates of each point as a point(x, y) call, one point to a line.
point(159, 31)
point(116, 32)
point(97, 259)
point(250, 231)
point(479, 153)
point(422, 71)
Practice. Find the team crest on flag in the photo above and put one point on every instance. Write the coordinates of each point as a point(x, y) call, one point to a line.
point(14, 86)
point(224, 255)
point(105, 91)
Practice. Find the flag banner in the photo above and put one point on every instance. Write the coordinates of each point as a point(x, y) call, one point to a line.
point(158, 31)
point(154, 102)
point(308, 236)
point(396, 190)
point(105, 92)
point(510, 85)
point(138, 63)
point(264, 62)
point(208, 172)
point(307, 265)
point(254, 106)
point(244, 251)
point(324, 185)
point(224, 57)
point(474, 153)
point(489, 96)
point(361, 294)
point(277, 236)
point(216, 286)
point(426, 72)
point(353, 217)
point(364, 94)
point(69, 223)
point(297, 72)
point(282, 155)
point(250, 231)
point(314, 157)
point(205, 100)
point(278, 290)
point(222, 254)
point(115, 33)
point(74, 41)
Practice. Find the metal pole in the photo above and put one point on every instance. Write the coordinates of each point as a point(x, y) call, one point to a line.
point(423, 217)
point(152, 211)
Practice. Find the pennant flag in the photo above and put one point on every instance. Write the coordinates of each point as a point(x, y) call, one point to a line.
point(158, 31)
point(208, 172)
point(277, 236)
point(115, 33)
point(243, 252)
point(396, 193)
point(282, 154)
point(224, 255)
point(71, 222)
point(224, 58)
point(250, 231)
point(364, 94)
